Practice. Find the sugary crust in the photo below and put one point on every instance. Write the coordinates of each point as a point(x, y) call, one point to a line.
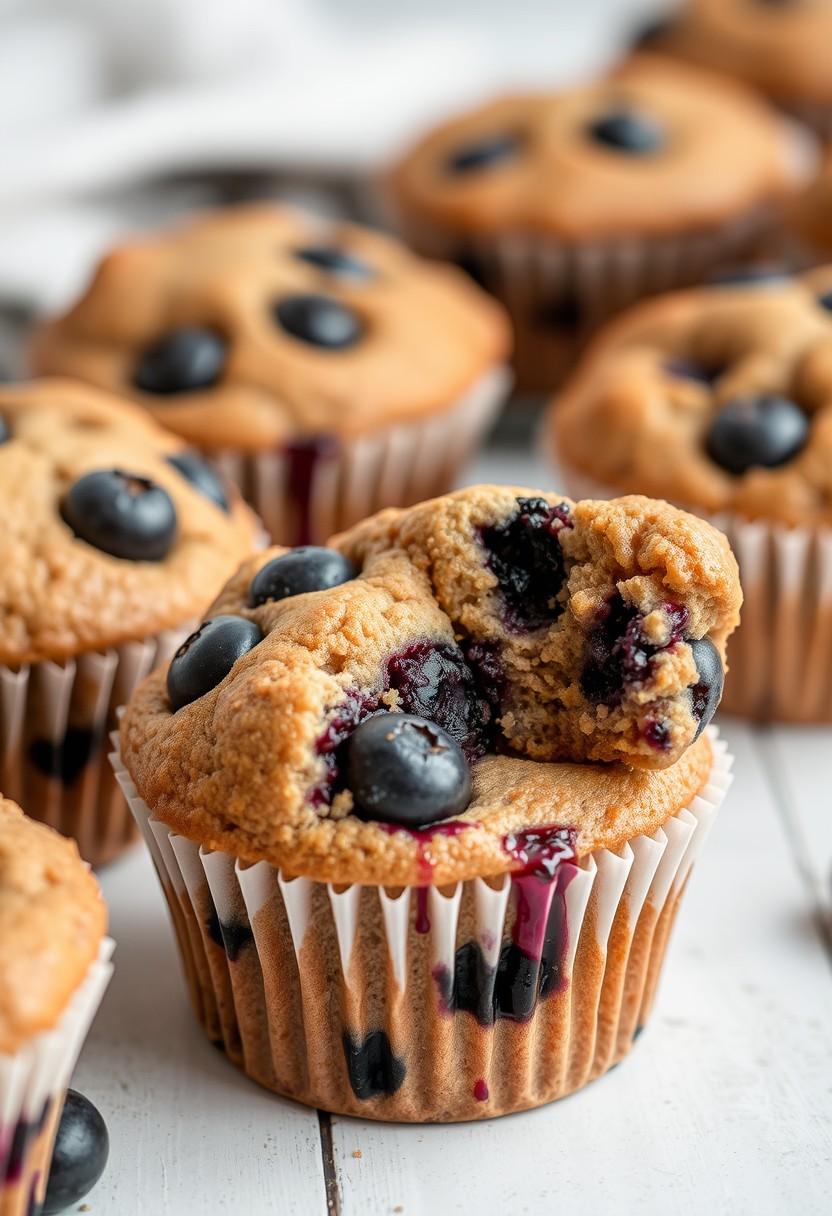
point(430, 334)
point(233, 769)
point(781, 49)
point(59, 596)
point(772, 338)
point(52, 921)
point(563, 184)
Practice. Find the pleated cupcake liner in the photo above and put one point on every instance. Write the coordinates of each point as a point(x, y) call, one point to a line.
point(312, 488)
point(780, 657)
point(33, 1083)
point(54, 722)
point(428, 1004)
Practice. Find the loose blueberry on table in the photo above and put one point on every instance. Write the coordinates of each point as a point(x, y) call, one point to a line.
point(181, 361)
point(764, 431)
point(202, 477)
point(123, 514)
point(82, 1146)
point(307, 568)
point(207, 656)
point(319, 321)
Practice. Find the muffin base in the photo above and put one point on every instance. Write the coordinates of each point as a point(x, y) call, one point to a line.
point(381, 1003)
point(33, 1084)
point(311, 489)
point(780, 657)
point(54, 720)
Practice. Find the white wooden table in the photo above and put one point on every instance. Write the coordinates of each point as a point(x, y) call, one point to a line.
point(724, 1106)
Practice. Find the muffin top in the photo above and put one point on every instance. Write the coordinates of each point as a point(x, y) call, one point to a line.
point(247, 327)
point(485, 663)
point(52, 921)
point(653, 147)
point(779, 46)
point(718, 398)
point(112, 529)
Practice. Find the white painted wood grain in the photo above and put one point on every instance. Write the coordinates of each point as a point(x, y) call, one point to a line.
point(725, 1105)
point(189, 1135)
point(798, 762)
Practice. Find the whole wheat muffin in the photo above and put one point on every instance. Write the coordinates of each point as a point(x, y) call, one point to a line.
point(400, 886)
point(296, 352)
point(529, 628)
point(52, 926)
point(720, 400)
point(572, 205)
point(116, 536)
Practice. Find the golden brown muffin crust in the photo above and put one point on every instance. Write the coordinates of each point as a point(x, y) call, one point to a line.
point(773, 337)
point(725, 152)
point(58, 594)
point(236, 769)
point(781, 49)
point(52, 921)
point(429, 333)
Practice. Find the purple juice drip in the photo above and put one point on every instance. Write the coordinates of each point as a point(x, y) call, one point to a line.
point(481, 1091)
point(15, 1143)
point(423, 838)
point(303, 457)
point(422, 922)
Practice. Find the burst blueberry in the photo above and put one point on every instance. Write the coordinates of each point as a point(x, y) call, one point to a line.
point(82, 1146)
point(334, 261)
point(524, 554)
point(319, 321)
point(403, 769)
point(182, 361)
point(206, 657)
point(307, 568)
point(761, 431)
point(627, 131)
point(707, 692)
point(123, 514)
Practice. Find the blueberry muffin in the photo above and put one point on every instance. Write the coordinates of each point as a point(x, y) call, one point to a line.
point(116, 536)
point(449, 716)
point(571, 205)
point(721, 400)
point(324, 367)
point(53, 971)
point(781, 47)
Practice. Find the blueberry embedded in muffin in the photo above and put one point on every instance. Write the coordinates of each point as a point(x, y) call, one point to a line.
point(387, 681)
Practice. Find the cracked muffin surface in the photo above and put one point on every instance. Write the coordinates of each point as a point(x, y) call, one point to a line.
point(527, 659)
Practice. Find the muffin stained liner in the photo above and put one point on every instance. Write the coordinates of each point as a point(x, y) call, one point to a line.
point(54, 722)
point(780, 657)
point(33, 1083)
point(320, 485)
point(428, 1004)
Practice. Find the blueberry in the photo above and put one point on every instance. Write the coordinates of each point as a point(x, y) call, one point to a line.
point(691, 369)
point(319, 320)
point(122, 514)
point(5, 431)
point(180, 362)
point(750, 276)
point(825, 301)
point(649, 32)
point(435, 682)
point(406, 770)
point(206, 657)
point(81, 1150)
point(372, 1066)
point(335, 261)
point(625, 130)
point(765, 430)
point(307, 568)
point(524, 554)
point(483, 153)
point(707, 693)
point(202, 477)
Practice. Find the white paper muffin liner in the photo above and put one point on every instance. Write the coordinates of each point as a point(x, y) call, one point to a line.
point(349, 479)
point(780, 657)
point(54, 722)
point(33, 1082)
point(314, 975)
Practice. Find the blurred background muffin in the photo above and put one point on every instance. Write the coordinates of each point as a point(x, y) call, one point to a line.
point(115, 537)
point(324, 368)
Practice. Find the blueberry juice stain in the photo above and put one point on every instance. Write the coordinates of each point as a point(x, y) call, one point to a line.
point(531, 963)
point(304, 458)
point(15, 1143)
